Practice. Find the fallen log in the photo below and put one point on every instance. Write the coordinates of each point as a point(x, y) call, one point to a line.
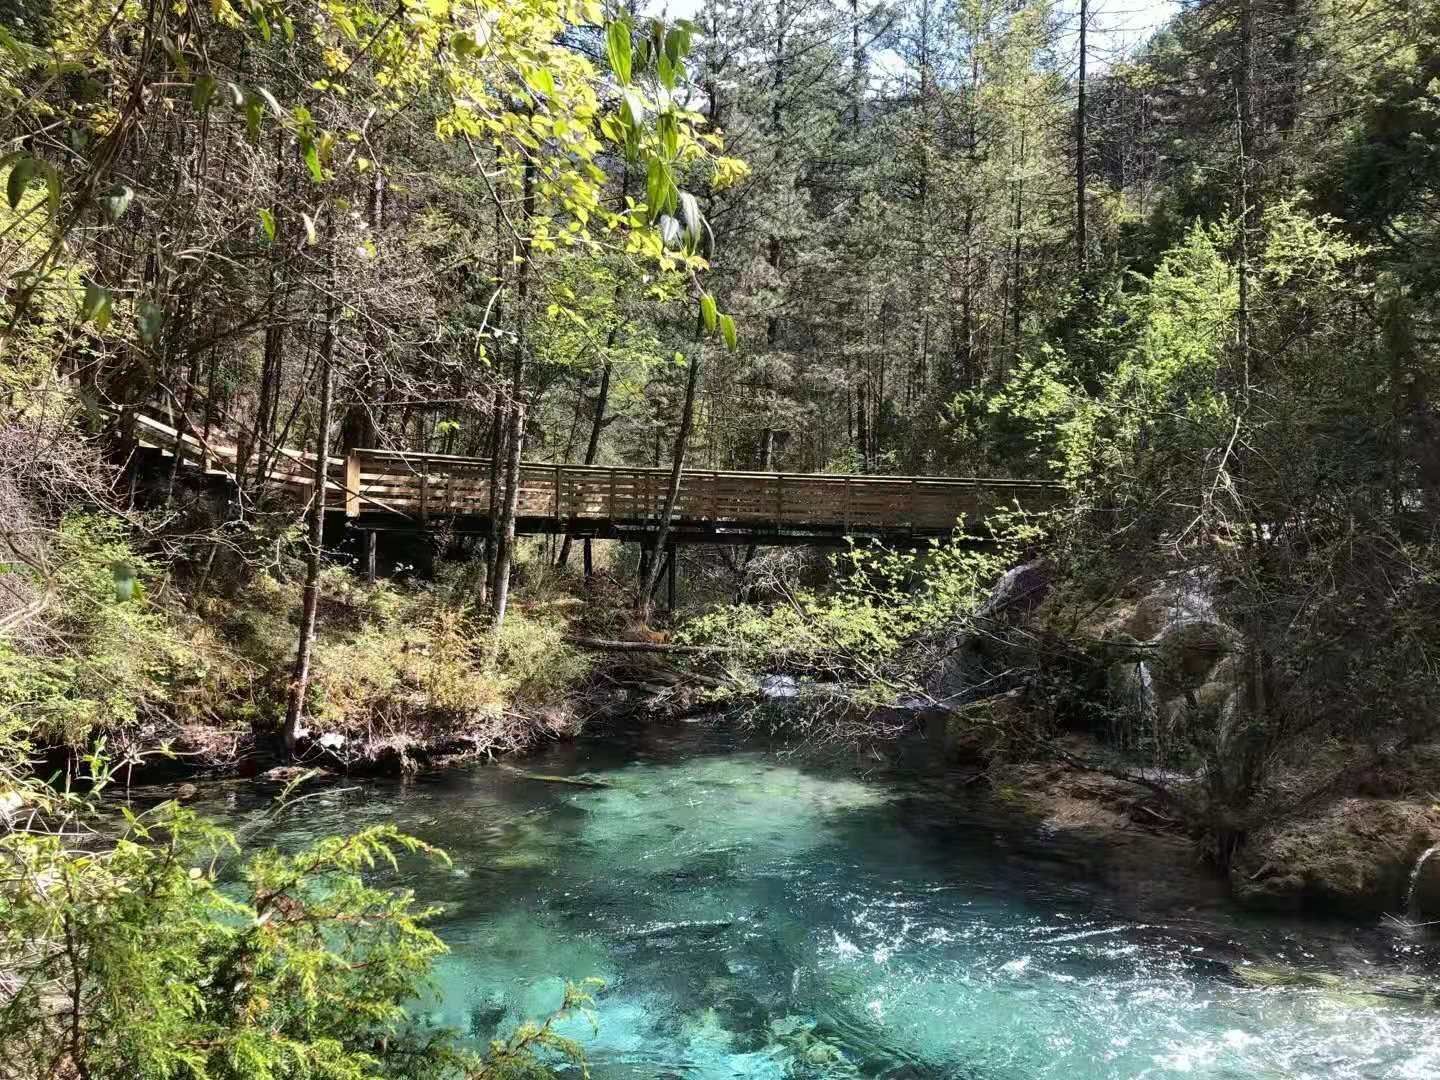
point(606, 645)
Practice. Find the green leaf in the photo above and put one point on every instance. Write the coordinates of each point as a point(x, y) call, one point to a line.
point(267, 224)
point(97, 305)
point(667, 126)
point(617, 47)
point(462, 43)
point(52, 187)
point(116, 201)
point(346, 25)
point(253, 111)
point(541, 81)
point(665, 71)
point(16, 48)
point(632, 110)
point(311, 154)
point(21, 173)
point(727, 331)
point(655, 181)
point(149, 320)
point(123, 575)
point(203, 91)
point(708, 311)
point(677, 44)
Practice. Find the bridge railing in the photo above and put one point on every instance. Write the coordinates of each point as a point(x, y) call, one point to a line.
point(440, 485)
point(422, 486)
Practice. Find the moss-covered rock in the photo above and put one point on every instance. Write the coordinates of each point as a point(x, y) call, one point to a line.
point(1352, 858)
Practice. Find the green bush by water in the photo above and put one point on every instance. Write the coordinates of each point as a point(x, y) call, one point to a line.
point(139, 956)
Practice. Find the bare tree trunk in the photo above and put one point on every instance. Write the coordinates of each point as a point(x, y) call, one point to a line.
point(505, 541)
point(1248, 215)
point(1082, 247)
point(300, 679)
point(1016, 312)
point(767, 452)
point(672, 494)
point(505, 554)
point(592, 448)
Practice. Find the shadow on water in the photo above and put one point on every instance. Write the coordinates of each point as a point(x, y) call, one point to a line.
point(761, 913)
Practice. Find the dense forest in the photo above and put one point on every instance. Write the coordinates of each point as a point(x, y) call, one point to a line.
point(1193, 281)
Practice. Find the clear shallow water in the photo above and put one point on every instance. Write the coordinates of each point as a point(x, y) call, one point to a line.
point(755, 916)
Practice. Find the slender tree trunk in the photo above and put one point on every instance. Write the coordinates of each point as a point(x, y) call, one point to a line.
point(1016, 312)
point(857, 66)
point(505, 543)
point(505, 556)
point(300, 678)
point(358, 426)
point(767, 452)
point(672, 494)
point(1243, 76)
point(592, 448)
point(1082, 247)
point(499, 418)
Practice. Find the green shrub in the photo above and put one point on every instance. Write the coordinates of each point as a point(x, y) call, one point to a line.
point(880, 601)
point(107, 658)
point(422, 660)
point(127, 959)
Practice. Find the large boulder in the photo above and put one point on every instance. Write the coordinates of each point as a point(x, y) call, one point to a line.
point(970, 659)
point(1354, 857)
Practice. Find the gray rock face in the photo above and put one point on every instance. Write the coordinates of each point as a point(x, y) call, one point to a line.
point(1356, 857)
point(972, 659)
point(1422, 901)
point(1019, 590)
point(1172, 660)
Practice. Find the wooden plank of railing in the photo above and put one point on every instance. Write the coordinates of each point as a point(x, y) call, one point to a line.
point(352, 485)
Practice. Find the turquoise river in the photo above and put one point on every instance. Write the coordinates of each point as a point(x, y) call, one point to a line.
point(756, 914)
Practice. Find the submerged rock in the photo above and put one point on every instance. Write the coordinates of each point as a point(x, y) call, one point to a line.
point(1355, 857)
point(1354, 990)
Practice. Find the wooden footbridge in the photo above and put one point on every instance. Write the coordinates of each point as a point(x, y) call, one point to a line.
point(390, 490)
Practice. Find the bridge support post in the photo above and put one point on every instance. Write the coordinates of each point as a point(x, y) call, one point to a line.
point(370, 556)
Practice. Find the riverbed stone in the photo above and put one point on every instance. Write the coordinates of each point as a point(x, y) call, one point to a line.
point(1353, 858)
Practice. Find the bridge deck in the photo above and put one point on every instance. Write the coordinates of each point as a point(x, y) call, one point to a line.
point(385, 489)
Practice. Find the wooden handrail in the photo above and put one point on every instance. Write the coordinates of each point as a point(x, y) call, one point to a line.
point(422, 486)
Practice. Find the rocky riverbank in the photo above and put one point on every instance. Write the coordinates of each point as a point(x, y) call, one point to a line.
point(1135, 716)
